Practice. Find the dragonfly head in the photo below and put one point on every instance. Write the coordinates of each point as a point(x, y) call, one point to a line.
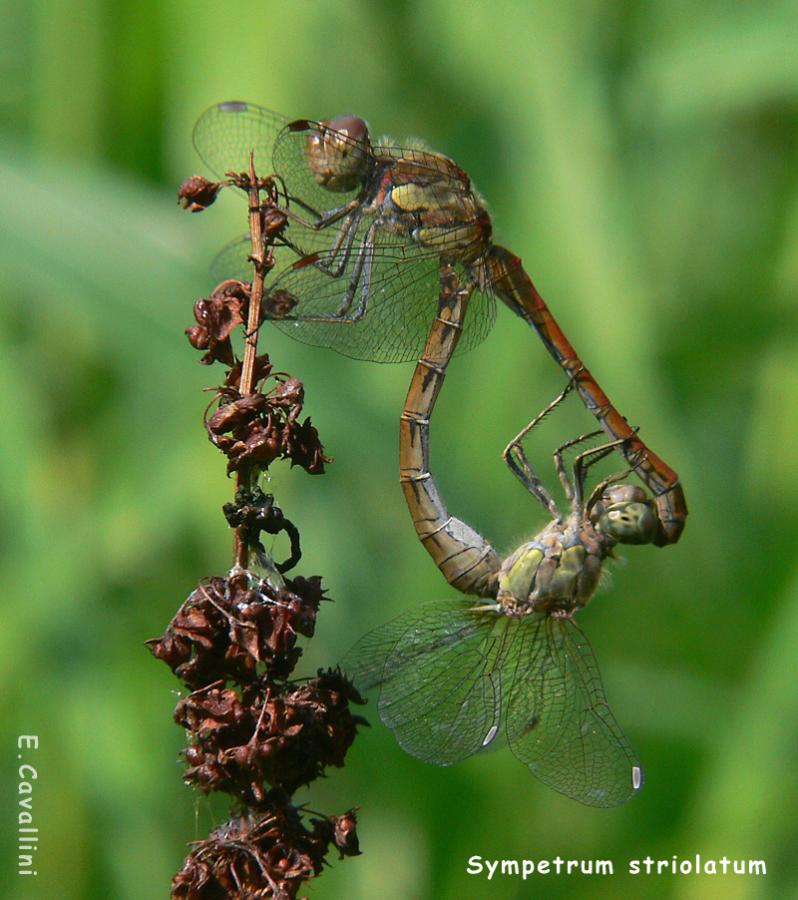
point(339, 153)
point(624, 513)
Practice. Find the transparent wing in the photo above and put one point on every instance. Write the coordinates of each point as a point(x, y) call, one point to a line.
point(559, 723)
point(232, 261)
point(380, 306)
point(438, 668)
point(425, 162)
point(401, 300)
point(225, 134)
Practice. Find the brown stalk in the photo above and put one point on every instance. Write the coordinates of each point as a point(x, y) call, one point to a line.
point(244, 476)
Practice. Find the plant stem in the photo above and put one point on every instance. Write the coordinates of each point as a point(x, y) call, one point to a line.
point(259, 270)
point(244, 477)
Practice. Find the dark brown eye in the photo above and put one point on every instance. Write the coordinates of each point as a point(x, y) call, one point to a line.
point(352, 126)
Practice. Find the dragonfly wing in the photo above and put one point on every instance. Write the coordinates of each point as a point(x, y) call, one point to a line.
point(480, 316)
point(438, 669)
point(225, 134)
point(394, 329)
point(233, 261)
point(379, 305)
point(427, 163)
point(558, 721)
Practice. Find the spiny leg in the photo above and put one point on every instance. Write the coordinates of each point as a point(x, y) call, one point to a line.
point(336, 258)
point(584, 461)
point(518, 463)
point(363, 264)
point(323, 220)
point(365, 256)
point(366, 266)
point(336, 262)
point(559, 463)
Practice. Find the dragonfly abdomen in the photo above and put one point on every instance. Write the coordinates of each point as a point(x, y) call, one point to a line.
point(466, 559)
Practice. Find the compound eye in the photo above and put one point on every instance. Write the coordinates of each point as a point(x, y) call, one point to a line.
point(352, 126)
point(339, 153)
point(630, 523)
point(624, 493)
point(625, 514)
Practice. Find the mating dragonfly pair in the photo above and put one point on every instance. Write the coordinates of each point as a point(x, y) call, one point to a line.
point(375, 233)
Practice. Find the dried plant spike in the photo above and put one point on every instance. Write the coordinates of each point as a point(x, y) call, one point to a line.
point(235, 640)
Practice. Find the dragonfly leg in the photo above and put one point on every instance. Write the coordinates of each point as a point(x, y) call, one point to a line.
point(361, 277)
point(335, 264)
point(365, 287)
point(602, 486)
point(332, 262)
point(518, 462)
point(323, 220)
point(559, 463)
point(358, 281)
point(589, 458)
point(520, 466)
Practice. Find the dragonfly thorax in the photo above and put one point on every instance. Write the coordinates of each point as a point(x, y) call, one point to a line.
point(557, 572)
point(436, 208)
point(339, 153)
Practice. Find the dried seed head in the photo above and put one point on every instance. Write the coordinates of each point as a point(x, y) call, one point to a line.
point(217, 317)
point(197, 193)
point(283, 735)
point(228, 630)
point(255, 430)
point(270, 854)
point(346, 834)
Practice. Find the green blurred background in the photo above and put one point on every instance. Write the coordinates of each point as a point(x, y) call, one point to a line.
point(641, 158)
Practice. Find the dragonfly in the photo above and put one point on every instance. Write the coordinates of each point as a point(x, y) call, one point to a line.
point(452, 674)
point(370, 227)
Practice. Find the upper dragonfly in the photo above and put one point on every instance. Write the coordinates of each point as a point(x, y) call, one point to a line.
point(371, 225)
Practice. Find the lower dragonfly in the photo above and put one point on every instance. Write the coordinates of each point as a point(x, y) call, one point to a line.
point(452, 673)
point(370, 227)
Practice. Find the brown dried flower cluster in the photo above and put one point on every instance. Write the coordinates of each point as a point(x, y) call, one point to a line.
point(197, 193)
point(256, 429)
point(280, 734)
point(217, 317)
point(227, 628)
point(263, 857)
point(255, 735)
